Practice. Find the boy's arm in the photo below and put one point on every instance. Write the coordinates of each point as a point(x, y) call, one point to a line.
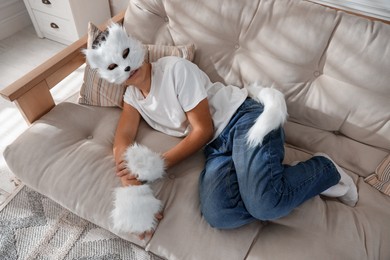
point(201, 133)
point(124, 136)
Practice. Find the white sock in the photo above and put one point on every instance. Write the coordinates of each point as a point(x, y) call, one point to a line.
point(345, 190)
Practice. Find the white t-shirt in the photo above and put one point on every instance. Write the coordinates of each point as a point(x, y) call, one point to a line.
point(177, 86)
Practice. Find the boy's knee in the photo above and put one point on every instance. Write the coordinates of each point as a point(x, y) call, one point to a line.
point(226, 218)
point(219, 215)
point(212, 215)
point(268, 211)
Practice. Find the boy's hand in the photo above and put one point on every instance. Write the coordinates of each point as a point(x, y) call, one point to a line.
point(146, 234)
point(129, 180)
point(121, 169)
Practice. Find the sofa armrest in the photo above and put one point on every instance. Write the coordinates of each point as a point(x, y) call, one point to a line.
point(31, 93)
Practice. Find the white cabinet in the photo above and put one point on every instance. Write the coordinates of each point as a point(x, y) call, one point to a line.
point(66, 21)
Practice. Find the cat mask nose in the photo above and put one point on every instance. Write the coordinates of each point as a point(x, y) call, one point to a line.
point(127, 68)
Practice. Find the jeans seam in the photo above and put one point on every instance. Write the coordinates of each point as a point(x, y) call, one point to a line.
point(303, 183)
point(273, 156)
point(323, 169)
point(228, 182)
point(270, 155)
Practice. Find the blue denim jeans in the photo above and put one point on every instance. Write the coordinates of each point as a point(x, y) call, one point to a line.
point(240, 184)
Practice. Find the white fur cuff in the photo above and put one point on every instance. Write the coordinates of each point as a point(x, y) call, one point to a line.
point(135, 209)
point(143, 162)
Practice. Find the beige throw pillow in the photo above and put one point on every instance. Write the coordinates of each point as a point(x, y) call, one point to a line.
point(380, 180)
point(99, 92)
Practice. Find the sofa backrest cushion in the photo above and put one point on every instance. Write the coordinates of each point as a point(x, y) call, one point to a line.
point(332, 67)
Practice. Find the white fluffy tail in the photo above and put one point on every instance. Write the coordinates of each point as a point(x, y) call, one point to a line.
point(274, 114)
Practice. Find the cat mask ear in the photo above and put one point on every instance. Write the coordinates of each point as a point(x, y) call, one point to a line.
point(96, 38)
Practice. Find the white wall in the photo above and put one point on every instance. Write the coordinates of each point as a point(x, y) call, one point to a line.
point(374, 8)
point(13, 17)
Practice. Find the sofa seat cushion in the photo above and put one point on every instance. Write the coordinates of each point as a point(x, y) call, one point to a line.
point(67, 156)
point(326, 229)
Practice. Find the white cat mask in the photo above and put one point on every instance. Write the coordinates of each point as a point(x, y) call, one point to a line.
point(115, 54)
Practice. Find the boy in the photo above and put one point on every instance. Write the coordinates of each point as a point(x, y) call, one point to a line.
point(239, 183)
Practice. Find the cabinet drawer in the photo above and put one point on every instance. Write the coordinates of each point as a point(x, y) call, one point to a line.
point(51, 25)
point(58, 8)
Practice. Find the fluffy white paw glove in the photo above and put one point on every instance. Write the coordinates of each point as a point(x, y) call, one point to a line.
point(144, 163)
point(135, 207)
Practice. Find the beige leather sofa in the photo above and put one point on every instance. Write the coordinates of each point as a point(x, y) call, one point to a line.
point(334, 69)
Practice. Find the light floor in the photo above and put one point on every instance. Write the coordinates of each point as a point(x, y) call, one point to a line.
point(19, 54)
